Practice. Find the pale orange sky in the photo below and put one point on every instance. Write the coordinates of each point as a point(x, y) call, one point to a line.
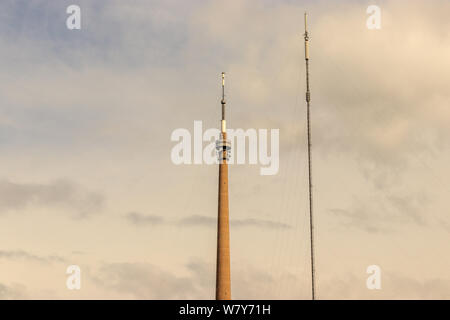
point(86, 175)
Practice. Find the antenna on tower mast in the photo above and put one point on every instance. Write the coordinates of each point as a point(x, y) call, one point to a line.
point(311, 224)
point(223, 102)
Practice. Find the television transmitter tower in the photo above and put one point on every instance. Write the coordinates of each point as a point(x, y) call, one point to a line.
point(223, 146)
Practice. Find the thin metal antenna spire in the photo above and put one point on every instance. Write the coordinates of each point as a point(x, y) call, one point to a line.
point(311, 224)
point(223, 86)
point(223, 102)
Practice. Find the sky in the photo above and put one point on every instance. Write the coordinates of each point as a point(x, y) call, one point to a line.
point(87, 179)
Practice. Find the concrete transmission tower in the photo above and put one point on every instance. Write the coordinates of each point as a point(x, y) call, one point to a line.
point(223, 146)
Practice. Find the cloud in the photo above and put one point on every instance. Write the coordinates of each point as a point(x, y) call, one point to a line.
point(112, 91)
point(23, 255)
point(140, 219)
point(369, 103)
point(382, 115)
point(393, 286)
point(252, 222)
point(402, 287)
point(200, 220)
point(15, 291)
point(105, 31)
point(380, 213)
point(368, 116)
point(197, 220)
point(146, 281)
point(61, 193)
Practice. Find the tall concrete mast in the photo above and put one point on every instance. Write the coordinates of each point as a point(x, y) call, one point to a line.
point(311, 224)
point(223, 146)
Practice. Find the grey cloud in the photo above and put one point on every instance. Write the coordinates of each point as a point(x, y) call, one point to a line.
point(365, 104)
point(61, 193)
point(139, 219)
point(249, 282)
point(384, 213)
point(145, 281)
point(20, 254)
point(411, 206)
point(197, 220)
point(394, 286)
point(106, 31)
point(251, 222)
point(15, 291)
point(360, 218)
point(148, 281)
point(444, 224)
point(402, 287)
point(200, 220)
point(382, 102)
point(372, 117)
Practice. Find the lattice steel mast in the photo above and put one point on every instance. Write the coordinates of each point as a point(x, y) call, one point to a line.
point(308, 118)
